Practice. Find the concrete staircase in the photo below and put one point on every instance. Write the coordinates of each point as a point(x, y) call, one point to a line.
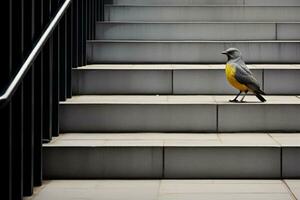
point(153, 103)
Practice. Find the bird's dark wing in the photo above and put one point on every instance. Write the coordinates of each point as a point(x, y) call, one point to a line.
point(242, 76)
point(242, 64)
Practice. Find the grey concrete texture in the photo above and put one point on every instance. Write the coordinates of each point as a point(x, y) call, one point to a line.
point(282, 81)
point(137, 118)
point(187, 31)
point(258, 118)
point(288, 31)
point(181, 81)
point(122, 82)
point(93, 162)
point(228, 162)
point(190, 51)
point(205, 82)
point(203, 13)
point(154, 162)
point(197, 31)
point(209, 2)
point(291, 162)
point(174, 155)
point(178, 2)
point(250, 117)
point(168, 190)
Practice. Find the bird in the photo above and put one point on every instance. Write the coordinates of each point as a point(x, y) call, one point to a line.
point(240, 76)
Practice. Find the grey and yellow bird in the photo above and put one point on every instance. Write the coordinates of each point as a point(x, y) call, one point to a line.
point(240, 76)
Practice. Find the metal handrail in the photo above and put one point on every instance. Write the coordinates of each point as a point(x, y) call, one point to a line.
point(34, 53)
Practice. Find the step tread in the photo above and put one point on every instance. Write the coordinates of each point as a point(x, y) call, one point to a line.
point(246, 6)
point(193, 22)
point(179, 66)
point(175, 140)
point(193, 41)
point(177, 99)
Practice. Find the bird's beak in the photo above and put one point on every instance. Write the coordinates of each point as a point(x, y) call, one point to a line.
point(224, 52)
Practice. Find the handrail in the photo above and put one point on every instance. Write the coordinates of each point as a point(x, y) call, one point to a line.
point(31, 58)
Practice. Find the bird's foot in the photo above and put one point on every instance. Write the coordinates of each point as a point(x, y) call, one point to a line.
point(242, 101)
point(233, 100)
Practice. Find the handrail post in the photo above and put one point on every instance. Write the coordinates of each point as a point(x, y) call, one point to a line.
point(29, 104)
point(34, 53)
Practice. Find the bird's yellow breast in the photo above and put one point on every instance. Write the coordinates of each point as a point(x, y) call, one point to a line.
point(230, 76)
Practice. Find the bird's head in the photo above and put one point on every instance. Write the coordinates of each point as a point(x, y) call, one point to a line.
point(232, 53)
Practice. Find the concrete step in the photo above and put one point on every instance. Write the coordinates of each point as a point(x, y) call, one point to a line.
point(178, 79)
point(197, 31)
point(137, 51)
point(179, 114)
point(166, 189)
point(203, 13)
point(209, 2)
point(138, 155)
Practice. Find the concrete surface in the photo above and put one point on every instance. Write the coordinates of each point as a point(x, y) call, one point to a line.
point(175, 113)
point(208, 2)
point(196, 31)
point(192, 52)
point(168, 190)
point(161, 155)
point(203, 13)
point(178, 79)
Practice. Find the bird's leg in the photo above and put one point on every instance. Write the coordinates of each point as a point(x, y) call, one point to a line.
point(235, 99)
point(242, 100)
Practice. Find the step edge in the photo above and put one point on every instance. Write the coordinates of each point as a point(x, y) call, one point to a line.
point(193, 22)
point(171, 100)
point(182, 67)
point(192, 41)
point(189, 6)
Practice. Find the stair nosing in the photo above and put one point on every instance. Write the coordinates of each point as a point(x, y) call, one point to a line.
point(183, 67)
point(243, 6)
point(178, 100)
point(200, 140)
point(193, 41)
point(193, 22)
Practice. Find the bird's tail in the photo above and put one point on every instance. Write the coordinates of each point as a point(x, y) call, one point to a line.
point(259, 91)
point(261, 98)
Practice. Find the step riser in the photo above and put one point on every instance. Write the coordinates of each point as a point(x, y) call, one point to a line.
point(232, 118)
point(215, 13)
point(190, 52)
point(209, 2)
point(180, 118)
point(169, 162)
point(92, 162)
point(122, 82)
point(138, 118)
point(290, 159)
point(89, 82)
point(222, 162)
point(197, 31)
